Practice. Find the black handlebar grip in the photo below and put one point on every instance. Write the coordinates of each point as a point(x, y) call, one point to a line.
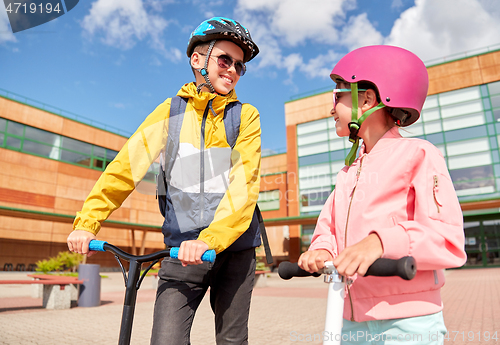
point(288, 270)
point(405, 268)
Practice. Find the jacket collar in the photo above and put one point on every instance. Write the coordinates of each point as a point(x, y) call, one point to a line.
point(384, 142)
point(200, 100)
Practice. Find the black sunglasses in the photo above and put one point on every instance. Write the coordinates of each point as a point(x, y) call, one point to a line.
point(225, 61)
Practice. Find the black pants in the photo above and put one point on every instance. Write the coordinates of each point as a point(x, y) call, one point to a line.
point(181, 289)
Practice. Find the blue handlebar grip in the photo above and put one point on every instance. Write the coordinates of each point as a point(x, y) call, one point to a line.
point(209, 255)
point(97, 245)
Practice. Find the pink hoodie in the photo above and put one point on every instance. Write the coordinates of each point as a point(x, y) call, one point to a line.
point(401, 191)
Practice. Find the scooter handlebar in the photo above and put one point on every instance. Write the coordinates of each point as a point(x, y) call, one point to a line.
point(405, 268)
point(101, 246)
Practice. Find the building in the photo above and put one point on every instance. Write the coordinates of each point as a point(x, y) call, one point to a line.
point(461, 117)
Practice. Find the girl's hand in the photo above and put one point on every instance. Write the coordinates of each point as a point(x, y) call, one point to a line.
point(314, 260)
point(190, 252)
point(358, 258)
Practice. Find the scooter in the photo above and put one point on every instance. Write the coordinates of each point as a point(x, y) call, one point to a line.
point(134, 278)
point(405, 268)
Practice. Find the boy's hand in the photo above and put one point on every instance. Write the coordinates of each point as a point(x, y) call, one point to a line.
point(358, 258)
point(314, 260)
point(78, 242)
point(190, 252)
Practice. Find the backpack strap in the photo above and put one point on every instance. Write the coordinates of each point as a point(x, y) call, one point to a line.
point(177, 110)
point(167, 158)
point(232, 121)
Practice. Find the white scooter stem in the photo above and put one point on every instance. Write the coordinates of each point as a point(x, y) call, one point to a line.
point(334, 305)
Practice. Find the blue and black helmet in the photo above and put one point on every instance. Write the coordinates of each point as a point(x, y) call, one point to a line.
point(220, 28)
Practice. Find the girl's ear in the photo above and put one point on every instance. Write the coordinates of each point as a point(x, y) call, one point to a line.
point(369, 99)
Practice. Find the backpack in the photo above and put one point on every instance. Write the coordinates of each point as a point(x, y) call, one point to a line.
point(232, 120)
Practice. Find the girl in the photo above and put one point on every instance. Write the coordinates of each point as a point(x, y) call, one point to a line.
point(395, 199)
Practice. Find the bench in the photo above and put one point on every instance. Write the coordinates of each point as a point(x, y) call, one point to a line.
point(38, 289)
point(55, 294)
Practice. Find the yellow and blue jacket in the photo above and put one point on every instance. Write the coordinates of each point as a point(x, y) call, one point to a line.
point(212, 189)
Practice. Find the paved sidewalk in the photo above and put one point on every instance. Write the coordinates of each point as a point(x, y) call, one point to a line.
point(280, 312)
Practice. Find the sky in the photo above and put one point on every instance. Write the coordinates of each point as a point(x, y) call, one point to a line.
point(113, 61)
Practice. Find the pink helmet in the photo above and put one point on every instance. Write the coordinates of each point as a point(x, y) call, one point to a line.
point(399, 75)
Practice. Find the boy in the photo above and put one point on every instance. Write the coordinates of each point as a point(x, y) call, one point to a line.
point(212, 189)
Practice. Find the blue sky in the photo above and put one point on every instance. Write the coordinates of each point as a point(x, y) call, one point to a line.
point(114, 61)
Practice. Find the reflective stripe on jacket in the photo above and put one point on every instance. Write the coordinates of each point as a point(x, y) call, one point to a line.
point(401, 191)
point(238, 187)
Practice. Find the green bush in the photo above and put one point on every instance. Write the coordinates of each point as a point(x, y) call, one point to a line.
point(62, 262)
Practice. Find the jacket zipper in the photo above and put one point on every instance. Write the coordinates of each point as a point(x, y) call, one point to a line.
point(434, 190)
point(202, 162)
point(345, 235)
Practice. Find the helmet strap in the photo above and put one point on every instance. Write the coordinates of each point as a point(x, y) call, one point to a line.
point(355, 123)
point(204, 71)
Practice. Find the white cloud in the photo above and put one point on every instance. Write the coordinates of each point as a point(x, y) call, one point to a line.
point(279, 24)
point(121, 23)
point(6, 34)
point(436, 29)
point(360, 32)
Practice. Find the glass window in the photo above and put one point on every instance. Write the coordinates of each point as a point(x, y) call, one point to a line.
point(313, 149)
point(15, 128)
point(462, 109)
point(337, 155)
point(77, 158)
point(431, 102)
point(431, 115)
point(40, 135)
point(494, 88)
point(433, 127)
point(495, 101)
point(463, 121)
point(110, 155)
point(2, 136)
point(436, 139)
point(315, 197)
point(37, 148)
point(310, 127)
point(99, 164)
point(467, 133)
point(14, 143)
point(496, 114)
point(468, 146)
point(470, 160)
point(269, 200)
point(76, 145)
point(459, 96)
point(337, 143)
point(3, 124)
point(314, 159)
point(315, 181)
point(314, 170)
point(473, 177)
point(312, 138)
point(99, 152)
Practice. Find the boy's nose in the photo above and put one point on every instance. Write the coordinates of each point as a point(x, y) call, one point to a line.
point(332, 111)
